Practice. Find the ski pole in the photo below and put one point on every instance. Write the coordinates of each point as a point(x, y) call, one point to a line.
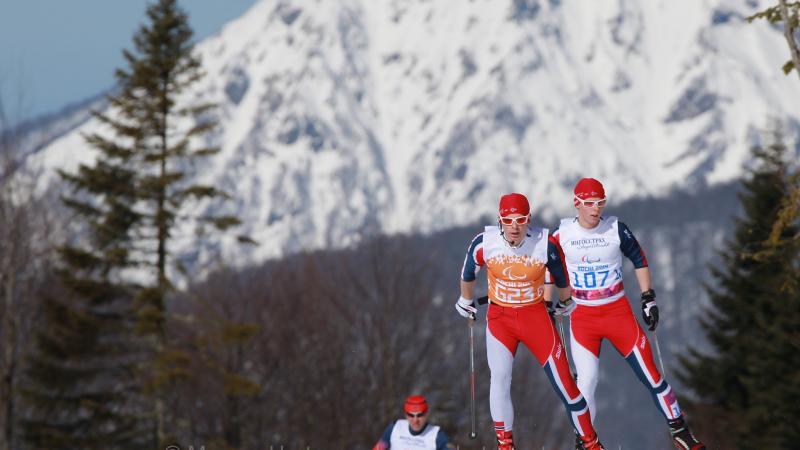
point(566, 346)
point(658, 352)
point(661, 362)
point(472, 433)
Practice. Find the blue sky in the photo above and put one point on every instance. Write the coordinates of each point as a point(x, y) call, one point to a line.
point(55, 52)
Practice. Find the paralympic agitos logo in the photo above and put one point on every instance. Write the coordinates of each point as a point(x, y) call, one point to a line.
point(589, 260)
point(510, 275)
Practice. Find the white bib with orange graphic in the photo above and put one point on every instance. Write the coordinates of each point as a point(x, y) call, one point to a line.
point(515, 275)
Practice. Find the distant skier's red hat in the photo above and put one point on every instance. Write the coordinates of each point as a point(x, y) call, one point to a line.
point(514, 204)
point(589, 188)
point(416, 404)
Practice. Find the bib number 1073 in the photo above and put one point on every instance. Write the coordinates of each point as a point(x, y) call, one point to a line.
point(591, 279)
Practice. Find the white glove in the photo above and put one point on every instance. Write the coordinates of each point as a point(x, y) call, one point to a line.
point(564, 307)
point(466, 307)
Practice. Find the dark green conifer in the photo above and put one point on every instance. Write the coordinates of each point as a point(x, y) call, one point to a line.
point(747, 388)
point(166, 129)
point(133, 199)
point(80, 385)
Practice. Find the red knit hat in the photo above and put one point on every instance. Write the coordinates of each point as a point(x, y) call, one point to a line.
point(588, 188)
point(415, 404)
point(514, 204)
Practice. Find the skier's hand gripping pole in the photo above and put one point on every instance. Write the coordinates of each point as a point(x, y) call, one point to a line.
point(650, 316)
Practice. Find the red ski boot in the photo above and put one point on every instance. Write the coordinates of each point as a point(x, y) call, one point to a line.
point(591, 443)
point(505, 441)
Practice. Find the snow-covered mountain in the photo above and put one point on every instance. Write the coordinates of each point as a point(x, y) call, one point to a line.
point(352, 117)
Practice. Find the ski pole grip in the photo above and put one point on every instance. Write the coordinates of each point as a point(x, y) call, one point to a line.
point(482, 300)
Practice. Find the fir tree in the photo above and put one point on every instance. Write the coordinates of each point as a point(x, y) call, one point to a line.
point(747, 389)
point(165, 140)
point(162, 68)
point(80, 386)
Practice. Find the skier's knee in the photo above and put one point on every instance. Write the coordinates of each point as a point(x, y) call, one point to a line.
point(501, 377)
point(587, 384)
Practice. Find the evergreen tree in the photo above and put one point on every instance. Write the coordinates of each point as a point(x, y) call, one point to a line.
point(165, 140)
point(747, 389)
point(133, 199)
point(80, 386)
point(162, 68)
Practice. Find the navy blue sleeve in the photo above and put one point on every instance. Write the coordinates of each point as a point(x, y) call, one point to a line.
point(473, 260)
point(630, 246)
point(441, 440)
point(555, 264)
point(387, 435)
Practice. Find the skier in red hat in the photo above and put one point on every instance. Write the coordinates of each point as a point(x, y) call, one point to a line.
point(414, 432)
point(592, 247)
point(515, 255)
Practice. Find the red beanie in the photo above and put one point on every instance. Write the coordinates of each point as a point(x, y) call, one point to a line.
point(588, 188)
point(415, 404)
point(514, 204)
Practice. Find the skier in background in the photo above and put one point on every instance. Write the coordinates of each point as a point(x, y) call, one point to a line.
point(592, 247)
point(515, 255)
point(414, 432)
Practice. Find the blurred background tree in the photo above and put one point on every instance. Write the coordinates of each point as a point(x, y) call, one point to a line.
point(746, 387)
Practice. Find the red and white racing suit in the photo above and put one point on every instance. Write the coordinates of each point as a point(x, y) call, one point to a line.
point(593, 258)
point(517, 314)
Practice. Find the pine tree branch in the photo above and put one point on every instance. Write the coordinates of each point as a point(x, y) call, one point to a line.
point(222, 222)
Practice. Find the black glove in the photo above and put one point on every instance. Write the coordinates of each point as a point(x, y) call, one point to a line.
point(650, 309)
point(550, 307)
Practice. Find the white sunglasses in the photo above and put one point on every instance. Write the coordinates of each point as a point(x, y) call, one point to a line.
point(515, 220)
point(591, 203)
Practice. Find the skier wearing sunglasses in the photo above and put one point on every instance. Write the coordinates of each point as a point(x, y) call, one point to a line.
point(592, 247)
point(516, 255)
point(414, 432)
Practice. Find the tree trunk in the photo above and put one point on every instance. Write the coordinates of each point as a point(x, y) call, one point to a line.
point(162, 226)
point(9, 344)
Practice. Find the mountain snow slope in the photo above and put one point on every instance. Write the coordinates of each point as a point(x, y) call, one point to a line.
point(341, 119)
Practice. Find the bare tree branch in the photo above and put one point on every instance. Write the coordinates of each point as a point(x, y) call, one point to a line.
point(790, 24)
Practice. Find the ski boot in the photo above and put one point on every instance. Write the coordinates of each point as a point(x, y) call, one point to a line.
point(590, 442)
point(578, 442)
point(682, 437)
point(505, 441)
